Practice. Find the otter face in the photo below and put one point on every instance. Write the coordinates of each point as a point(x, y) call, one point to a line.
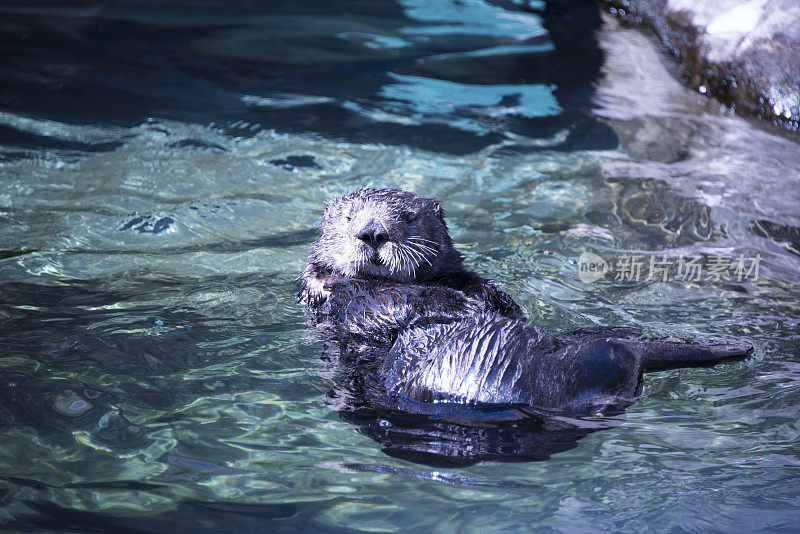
point(384, 233)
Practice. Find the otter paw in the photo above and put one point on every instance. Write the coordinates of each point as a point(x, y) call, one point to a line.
point(316, 290)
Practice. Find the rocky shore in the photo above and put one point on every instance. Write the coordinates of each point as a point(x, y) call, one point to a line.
point(746, 53)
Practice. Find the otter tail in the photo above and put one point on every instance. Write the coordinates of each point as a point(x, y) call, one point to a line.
point(673, 353)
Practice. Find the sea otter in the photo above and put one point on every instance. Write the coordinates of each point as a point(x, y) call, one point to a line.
point(421, 332)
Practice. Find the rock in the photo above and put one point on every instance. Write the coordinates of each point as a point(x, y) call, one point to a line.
point(744, 52)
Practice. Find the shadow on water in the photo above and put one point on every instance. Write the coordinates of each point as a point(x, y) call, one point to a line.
point(459, 437)
point(345, 70)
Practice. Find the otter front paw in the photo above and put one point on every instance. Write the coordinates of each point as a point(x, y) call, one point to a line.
point(316, 290)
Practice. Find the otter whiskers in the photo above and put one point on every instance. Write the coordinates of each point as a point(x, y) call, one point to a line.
point(420, 251)
point(404, 259)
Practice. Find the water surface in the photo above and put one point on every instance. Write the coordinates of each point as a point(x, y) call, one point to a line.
point(163, 172)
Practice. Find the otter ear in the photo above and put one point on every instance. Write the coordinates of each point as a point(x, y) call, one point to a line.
point(437, 209)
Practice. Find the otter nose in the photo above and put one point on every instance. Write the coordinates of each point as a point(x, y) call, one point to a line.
point(373, 233)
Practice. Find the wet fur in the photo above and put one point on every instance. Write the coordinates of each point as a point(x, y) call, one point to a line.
point(422, 329)
point(419, 247)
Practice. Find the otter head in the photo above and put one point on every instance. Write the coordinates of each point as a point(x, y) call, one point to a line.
point(385, 233)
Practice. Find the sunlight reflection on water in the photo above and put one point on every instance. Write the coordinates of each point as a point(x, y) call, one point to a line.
point(154, 360)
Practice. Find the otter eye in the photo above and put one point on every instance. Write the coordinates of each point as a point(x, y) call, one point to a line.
point(408, 216)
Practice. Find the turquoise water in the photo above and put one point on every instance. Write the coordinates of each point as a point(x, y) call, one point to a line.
point(156, 372)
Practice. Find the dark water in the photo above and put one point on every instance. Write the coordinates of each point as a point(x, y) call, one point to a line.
point(162, 171)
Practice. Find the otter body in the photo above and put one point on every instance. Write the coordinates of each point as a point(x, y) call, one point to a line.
point(384, 275)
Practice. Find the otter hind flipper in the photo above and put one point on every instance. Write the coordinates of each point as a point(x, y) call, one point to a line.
point(664, 354)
